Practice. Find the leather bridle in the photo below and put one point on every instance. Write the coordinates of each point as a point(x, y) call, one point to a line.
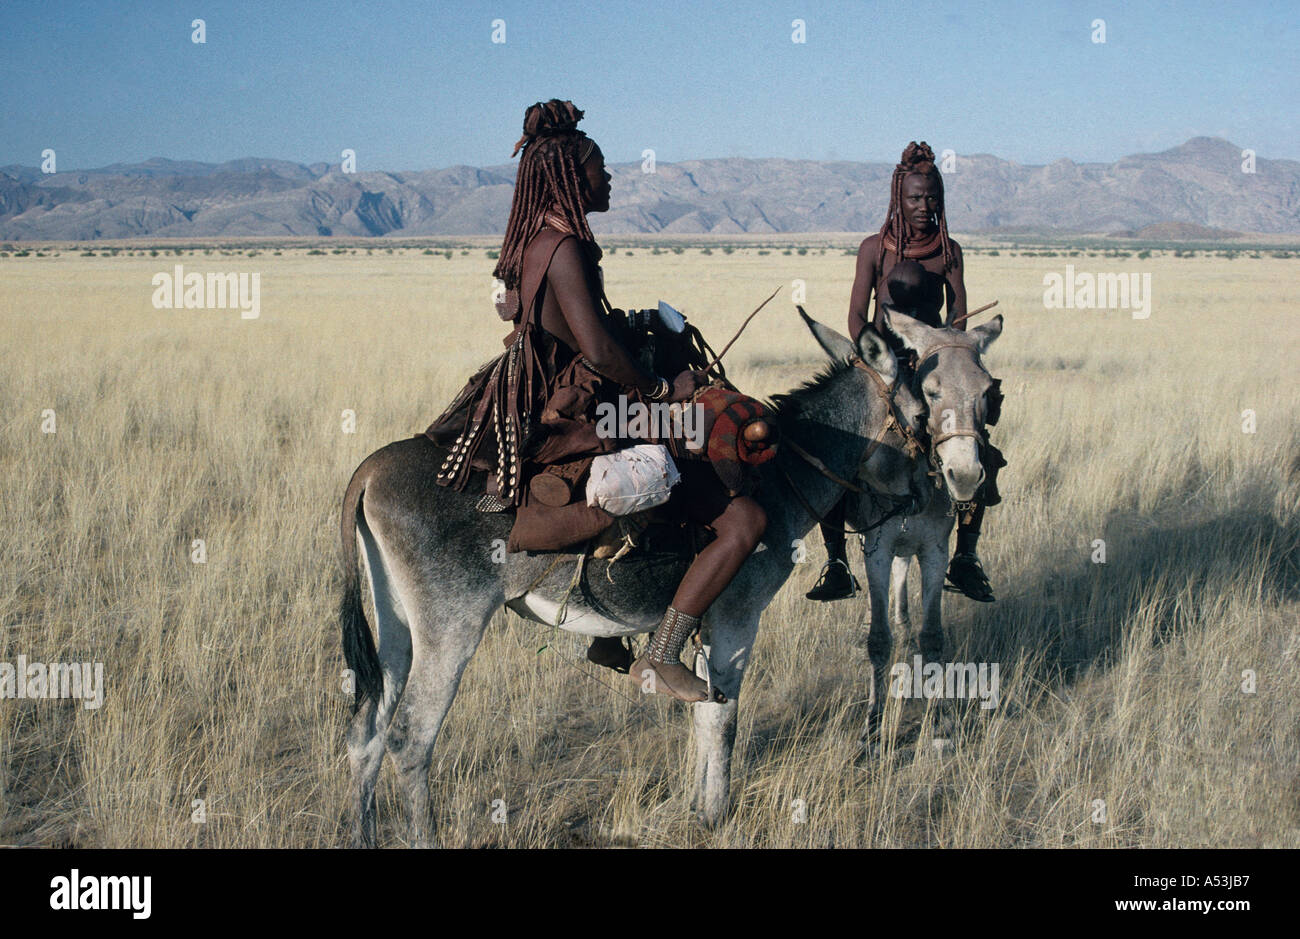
point(912, 444)
point(936, 462)
point(893, 421)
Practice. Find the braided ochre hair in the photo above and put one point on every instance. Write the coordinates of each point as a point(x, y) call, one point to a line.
point(550, 178)
point(918, 159)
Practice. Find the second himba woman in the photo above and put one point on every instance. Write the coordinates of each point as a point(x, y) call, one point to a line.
point(912, 265)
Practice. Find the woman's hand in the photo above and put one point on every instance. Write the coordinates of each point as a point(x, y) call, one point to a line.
point(684, 385)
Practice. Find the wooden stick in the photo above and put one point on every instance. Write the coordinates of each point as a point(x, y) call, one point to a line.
point(976, 312)
point(718, 357)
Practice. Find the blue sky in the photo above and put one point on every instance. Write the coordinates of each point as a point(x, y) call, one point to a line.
point(421, 85)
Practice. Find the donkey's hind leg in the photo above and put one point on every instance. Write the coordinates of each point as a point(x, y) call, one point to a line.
point(370, 723)
point(444, 641)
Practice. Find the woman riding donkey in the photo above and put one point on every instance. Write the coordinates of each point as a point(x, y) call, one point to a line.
point(912, 266)
point(541, 412)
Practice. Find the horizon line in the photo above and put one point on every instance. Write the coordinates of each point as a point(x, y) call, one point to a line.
point(514, 162)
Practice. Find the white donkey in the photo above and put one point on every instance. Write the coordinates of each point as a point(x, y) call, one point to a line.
point(953, 386)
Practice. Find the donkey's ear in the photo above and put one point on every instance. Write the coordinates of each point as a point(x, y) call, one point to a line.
point(914, 334)
point(836, 346)
point(986, 333)
point(876, 353)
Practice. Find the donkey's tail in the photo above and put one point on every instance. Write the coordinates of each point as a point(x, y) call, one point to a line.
point(358, 642)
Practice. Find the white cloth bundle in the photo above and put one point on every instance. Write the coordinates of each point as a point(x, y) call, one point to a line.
point(632, 480)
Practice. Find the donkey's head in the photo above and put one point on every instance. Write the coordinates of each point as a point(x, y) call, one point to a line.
point(882, 410)
point(953, 387)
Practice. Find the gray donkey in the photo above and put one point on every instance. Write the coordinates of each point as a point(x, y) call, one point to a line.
point(953, 385)
point(437, 571)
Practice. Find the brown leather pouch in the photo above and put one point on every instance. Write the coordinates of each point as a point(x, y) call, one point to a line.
point(548, 528)
point(560, 483)
point(569, 417)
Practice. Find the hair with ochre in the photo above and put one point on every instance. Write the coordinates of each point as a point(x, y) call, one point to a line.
point(918, 159)
point(550, 177)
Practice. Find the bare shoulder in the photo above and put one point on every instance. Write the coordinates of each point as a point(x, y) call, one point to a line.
point(956, 249)
point(868, 251)
point(567, 256)
point(544, 240)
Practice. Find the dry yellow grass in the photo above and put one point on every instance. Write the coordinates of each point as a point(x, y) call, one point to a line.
point(1121, 682)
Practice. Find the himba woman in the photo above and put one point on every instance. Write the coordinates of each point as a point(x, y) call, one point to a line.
point(912, 265)
point(549, 265)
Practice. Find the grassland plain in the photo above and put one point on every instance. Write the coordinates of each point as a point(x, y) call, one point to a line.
point(1126, 718)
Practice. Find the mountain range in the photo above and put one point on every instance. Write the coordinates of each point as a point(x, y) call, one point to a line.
point(1200, 184)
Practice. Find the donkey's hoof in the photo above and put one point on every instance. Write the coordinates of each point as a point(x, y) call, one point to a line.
point(930, 647)
point(363, 833)
point(869, 742)
point(709, 819)
point(868, 752)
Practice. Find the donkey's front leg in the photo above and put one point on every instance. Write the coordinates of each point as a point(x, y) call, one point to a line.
point(899, 615)
point(934, 564)
point(728, 649)
point(880, 642)
point(715, 738)
point(933, 559)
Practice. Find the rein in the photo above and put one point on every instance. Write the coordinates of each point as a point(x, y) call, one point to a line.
point(912, 446)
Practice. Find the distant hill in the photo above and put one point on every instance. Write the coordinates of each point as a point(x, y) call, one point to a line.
point(1199, 185)
point(1178, 231)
